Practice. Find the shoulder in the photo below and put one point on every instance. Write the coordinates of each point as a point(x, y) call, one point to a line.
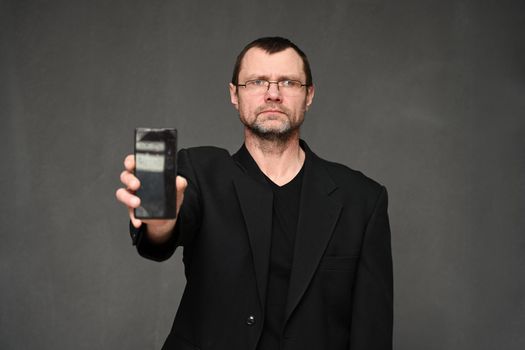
point(205, 151)
point(203, 155)
point(204, 160)
point(351, 181)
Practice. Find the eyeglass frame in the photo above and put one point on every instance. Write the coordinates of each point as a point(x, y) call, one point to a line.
point(270, 82)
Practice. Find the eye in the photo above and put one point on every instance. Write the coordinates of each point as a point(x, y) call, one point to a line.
point(256, 82)
point(290, 83)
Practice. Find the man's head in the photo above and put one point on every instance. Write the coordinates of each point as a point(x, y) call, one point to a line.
point(272, 45)
point(272, 88)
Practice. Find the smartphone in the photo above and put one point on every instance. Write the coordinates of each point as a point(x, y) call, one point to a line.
point(156, 169)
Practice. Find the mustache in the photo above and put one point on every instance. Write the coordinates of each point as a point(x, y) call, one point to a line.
point(272, 107)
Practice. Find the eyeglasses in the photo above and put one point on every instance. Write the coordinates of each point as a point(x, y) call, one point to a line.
point(260, 86)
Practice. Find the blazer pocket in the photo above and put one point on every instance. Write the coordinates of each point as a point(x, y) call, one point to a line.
point(343, 262)
point(176, 342)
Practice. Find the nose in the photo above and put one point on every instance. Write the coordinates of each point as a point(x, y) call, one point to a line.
point(273, 93)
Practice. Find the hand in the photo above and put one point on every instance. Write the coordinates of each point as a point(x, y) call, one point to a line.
point(158, 230)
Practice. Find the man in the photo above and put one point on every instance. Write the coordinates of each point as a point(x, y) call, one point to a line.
point(282, 249)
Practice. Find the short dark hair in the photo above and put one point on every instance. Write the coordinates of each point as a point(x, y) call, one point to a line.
point(272, 45)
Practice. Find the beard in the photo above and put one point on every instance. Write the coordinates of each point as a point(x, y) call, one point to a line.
point(279, 134)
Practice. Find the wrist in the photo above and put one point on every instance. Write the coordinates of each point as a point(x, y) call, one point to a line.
point(159, 232)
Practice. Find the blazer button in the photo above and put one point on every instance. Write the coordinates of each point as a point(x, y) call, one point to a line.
point(250, 321)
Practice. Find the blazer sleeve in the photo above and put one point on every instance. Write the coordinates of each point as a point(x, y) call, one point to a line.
point(372, 304)
point(188, 218)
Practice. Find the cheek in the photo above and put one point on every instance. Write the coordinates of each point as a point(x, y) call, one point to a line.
point(299, 110)
point(246, 109)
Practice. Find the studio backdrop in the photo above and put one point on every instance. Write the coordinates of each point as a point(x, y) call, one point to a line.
point(426, 97)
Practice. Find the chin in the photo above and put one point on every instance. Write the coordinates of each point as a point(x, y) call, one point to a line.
point(271, 127)
point(273, 134)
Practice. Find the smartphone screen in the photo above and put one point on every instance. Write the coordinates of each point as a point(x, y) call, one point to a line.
point(156, 169)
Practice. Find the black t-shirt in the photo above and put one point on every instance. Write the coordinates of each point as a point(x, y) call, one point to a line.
point(285, 214)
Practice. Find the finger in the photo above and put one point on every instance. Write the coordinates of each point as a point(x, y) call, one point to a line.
point(129, 180)
point(134, 221)
point(129, 162)
point(181, 184)
point(127, 198)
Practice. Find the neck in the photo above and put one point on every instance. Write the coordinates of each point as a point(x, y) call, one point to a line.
point(280, 160)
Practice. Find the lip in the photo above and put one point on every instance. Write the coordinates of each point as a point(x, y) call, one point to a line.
point(272, 111)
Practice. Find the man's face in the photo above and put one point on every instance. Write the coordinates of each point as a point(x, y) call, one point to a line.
point(274, 113)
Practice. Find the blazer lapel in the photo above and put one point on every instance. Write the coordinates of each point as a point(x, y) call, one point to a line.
point(256, 203)
point(317, 218)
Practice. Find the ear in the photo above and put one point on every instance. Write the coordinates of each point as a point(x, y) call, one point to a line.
point(234, 98)
point(310, 96)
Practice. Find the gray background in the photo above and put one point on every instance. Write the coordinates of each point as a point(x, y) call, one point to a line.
point(426, 97)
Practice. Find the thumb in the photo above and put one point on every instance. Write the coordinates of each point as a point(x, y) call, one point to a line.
point(181, 183)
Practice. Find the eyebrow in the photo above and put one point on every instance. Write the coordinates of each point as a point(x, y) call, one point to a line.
point(265, 77)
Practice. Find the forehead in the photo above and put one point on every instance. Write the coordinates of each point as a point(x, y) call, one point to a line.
point(257, 62)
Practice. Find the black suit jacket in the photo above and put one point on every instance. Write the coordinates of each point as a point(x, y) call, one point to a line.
point(340, 291)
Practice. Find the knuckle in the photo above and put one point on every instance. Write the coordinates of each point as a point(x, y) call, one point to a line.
point(129, 161)
point(123, 175)
point(120, 195)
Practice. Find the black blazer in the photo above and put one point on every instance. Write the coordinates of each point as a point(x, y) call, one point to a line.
point(340, 291)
